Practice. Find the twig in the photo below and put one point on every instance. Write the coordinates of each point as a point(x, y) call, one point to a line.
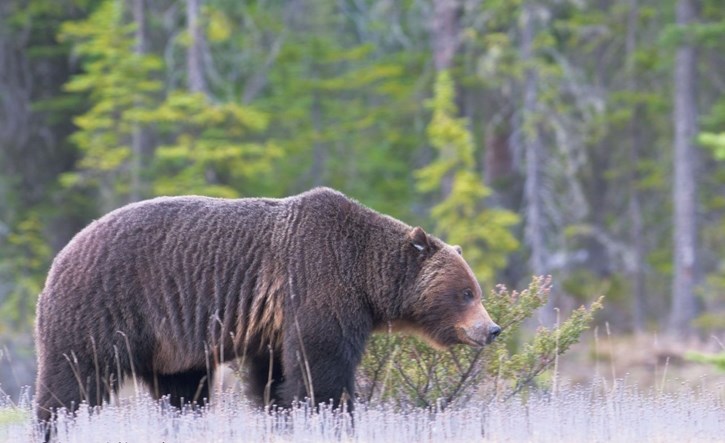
point(556, 352)
point(268, 386)
point(98, 375)
point(130, 360)
point(306, 374)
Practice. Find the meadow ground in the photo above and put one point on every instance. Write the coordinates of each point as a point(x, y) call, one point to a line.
point(648, 361)
point(598, 413)
point(635, 389)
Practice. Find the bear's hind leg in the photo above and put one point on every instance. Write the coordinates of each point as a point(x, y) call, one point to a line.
point(184, 387)
point(66, 383)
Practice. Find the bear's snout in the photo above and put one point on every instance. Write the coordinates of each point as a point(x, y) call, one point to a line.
point(493, 332)
point(478, 329)
point(479, 333)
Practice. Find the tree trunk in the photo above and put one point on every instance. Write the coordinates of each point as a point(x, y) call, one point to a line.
point(195, 66)
point(445, 32)
point(498, 158)
point(319, 150)
point(17, 149)
point(533, 153)
point(445, 38)
point(532, 148)
point(138, 137)
point(598, 260)
point(195, 56)
point(637, 270)
point(684, 193)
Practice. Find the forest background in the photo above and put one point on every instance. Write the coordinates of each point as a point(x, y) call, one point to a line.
point(582, 139)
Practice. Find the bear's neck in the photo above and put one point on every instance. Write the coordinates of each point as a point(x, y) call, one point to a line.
point(388, 269)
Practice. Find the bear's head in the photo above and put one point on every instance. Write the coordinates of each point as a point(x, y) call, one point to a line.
point(444, 306)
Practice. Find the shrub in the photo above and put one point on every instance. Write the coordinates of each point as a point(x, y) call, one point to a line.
point(408, 372)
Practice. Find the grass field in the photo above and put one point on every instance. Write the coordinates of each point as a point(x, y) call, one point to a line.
point(597, 413)
point(612, 389)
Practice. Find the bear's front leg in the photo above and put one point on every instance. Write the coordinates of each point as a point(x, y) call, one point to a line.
point(319, 362)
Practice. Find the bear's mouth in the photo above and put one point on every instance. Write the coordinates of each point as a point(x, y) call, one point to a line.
point(466, 339)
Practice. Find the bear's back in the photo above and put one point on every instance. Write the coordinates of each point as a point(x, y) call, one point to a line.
point(145, 242)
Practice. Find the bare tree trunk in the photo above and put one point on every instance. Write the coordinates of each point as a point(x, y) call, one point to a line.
point(533, 152)
point(446, 33)
point(138, 135)
point(532, 148)
point(195, 65)
point(684, 193)
point(637, 270)
point(445, 39)
point(498, 158)
point(319, 151)
point(195, 56)
point(598, 259)
point(17, 152)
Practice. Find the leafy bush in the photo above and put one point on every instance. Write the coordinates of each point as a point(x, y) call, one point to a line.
point(408, 372)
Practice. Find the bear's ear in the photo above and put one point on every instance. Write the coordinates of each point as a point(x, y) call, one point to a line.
point(458, 249)
point(419, 239)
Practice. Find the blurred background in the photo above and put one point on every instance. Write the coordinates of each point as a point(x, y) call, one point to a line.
point(584, 139)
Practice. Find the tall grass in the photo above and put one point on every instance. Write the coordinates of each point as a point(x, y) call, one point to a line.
point(596, 413)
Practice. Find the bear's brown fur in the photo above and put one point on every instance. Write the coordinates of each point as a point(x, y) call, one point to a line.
point(168, 288)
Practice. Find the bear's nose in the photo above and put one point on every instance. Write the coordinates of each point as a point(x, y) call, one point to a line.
point(493, 332)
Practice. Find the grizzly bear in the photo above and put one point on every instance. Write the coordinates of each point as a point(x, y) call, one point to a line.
point(166, 289)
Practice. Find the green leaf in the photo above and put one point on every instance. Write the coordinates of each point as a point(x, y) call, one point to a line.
point(714, 142)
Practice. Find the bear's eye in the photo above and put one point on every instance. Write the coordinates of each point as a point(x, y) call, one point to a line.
point(467, 295)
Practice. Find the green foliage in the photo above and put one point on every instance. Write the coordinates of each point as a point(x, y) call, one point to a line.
point(24, 260)
point(208, 152)
point(708, 35)
point(580, 284)
point(341, 109)
point(12, 415)
point(337, 93)
point(407, 371)
point(714, 142)
point(347, 118)
point(117, 81)
point(711, 35)
point(520, 369)
point(35, 118)
point(461, 217)
point(717, 360)
point(205, 147)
